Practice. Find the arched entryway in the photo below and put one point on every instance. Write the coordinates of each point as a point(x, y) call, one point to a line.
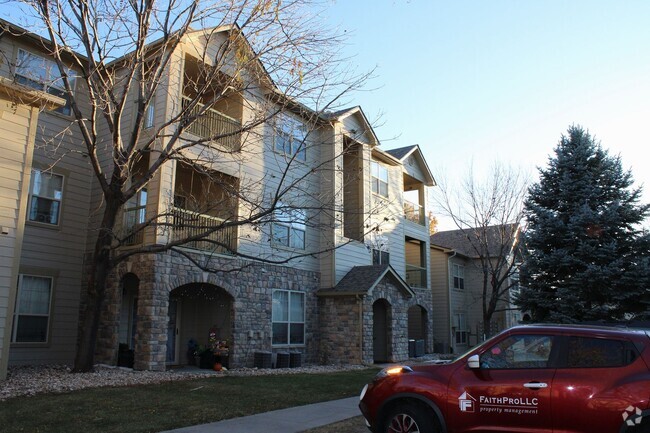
point(195, 310)
point(417, 330)
point(128, 320)
point(380, 331)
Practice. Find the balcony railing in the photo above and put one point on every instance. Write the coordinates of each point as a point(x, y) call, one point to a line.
point(414, 212)
point(213, 123)
point(416, 276)
point(133, 220)
point(186, 224)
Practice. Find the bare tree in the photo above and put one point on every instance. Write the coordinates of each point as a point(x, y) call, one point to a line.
point(262, 61)
point(488, 215)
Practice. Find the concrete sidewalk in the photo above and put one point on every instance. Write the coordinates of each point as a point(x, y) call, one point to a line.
point(290, 420)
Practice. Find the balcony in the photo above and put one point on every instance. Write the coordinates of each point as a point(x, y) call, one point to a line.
point(416, 276)
point(186, 224)
point(213, 123)
point(414, 212)
point(132, 226)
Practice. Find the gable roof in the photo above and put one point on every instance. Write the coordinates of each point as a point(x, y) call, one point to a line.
point(460, 240)
point(346, 112)
point(401, 153)
point(361, 280)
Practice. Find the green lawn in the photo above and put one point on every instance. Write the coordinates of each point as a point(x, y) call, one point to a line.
point(153, 408)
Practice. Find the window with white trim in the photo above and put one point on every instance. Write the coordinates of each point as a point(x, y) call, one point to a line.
point(459, 327)
point(43, 74)
point(380, 257)
point(290, 137)
point(46, 193)
point(32, 312)
point(458, 274)
point(288, 228)
point(149, 114)
point(288, 317)
point(379, 176)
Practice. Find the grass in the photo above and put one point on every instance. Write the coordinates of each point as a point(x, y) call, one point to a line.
point(152, 408)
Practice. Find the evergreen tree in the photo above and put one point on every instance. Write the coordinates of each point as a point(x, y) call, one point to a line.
point(588, 259)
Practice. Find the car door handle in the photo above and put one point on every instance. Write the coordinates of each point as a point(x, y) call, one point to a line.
point(535, 385)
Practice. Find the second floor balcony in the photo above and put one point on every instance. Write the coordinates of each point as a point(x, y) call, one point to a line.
point(416, 276)
point(414, 212)
point(187, 224)
point(212, 123)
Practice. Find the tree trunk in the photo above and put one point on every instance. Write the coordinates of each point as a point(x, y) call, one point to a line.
point(100, 268)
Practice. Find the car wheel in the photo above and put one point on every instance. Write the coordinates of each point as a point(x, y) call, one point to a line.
point(409, 419)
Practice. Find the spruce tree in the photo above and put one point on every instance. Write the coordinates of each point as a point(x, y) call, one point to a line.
point(588, 258)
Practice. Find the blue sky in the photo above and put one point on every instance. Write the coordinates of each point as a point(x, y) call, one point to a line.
point(502, 80)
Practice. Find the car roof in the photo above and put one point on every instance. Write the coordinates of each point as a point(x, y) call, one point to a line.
point(581, 329)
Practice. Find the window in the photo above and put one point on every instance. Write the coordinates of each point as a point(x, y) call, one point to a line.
point(379, 175)
point(599, 353)
point(134, 215)
point(288, 317)
point(288, 229)
point(290, 138)
point(460, 328)
point(458, 273)
point(380, 257)
point(149, 114)
point(46, 194)
point(32, 313)
point(519, 351)
point(43, 74)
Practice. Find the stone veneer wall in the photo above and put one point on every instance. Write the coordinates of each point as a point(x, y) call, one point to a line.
point(250, 287)
point(339, 323)
point(340, 330)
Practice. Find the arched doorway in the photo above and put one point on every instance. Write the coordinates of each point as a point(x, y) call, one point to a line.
point(380, 330)
point(194, 311)
point(128, 320)
point(417, 330)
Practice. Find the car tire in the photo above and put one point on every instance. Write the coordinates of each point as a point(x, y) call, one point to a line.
point(410, 418)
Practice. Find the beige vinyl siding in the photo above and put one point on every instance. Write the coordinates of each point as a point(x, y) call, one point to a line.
point(413, 169)
point(17, 129)
point(440, 288)
point(46, 247)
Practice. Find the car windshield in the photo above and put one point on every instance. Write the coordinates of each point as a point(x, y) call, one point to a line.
point(483, 344)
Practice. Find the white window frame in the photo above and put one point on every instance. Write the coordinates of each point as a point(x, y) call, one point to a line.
point(50, 81)
point(150, 115)
point(460, 329)
point(293, 223)
point(18, 314)
point(34, 198)
point(290, 320)
point(384, 256)
point(290, 137)
point(377, 174)
point(458, 276)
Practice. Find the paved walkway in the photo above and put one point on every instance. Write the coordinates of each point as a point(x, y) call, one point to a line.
point(291, 420)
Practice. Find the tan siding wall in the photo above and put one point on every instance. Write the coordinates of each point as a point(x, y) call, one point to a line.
point(57, 250)
point(440, 289)
point(16, 147)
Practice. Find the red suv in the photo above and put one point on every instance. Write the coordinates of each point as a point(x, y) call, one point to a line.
point(542, 378)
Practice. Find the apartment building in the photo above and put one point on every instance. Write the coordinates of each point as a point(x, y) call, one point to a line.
point(339, 271)
point(458, 265)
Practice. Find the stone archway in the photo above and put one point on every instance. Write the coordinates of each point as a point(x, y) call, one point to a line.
point(128, 320)
point(381, 338)
point(417, 330)
point(194, 311)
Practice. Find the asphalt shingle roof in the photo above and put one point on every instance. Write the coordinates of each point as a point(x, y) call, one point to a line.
point(462, 240)
point(361, 279)
point(401, 152)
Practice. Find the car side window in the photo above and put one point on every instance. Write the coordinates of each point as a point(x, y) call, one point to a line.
point(599, 353)
point(519, 351)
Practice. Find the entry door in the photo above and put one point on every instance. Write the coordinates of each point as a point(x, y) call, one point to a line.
point(510, 392)
point(172, 332)
point(380, 332)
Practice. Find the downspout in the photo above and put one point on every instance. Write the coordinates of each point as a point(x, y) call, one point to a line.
point(451, 335)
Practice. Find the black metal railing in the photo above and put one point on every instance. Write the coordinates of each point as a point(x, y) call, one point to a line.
point(187, 224)
point(416, 276)
point(212, 123)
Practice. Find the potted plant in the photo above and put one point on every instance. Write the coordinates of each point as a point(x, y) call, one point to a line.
point(206, 357)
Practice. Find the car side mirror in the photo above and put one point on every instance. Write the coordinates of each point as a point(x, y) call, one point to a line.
point(473, 362)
